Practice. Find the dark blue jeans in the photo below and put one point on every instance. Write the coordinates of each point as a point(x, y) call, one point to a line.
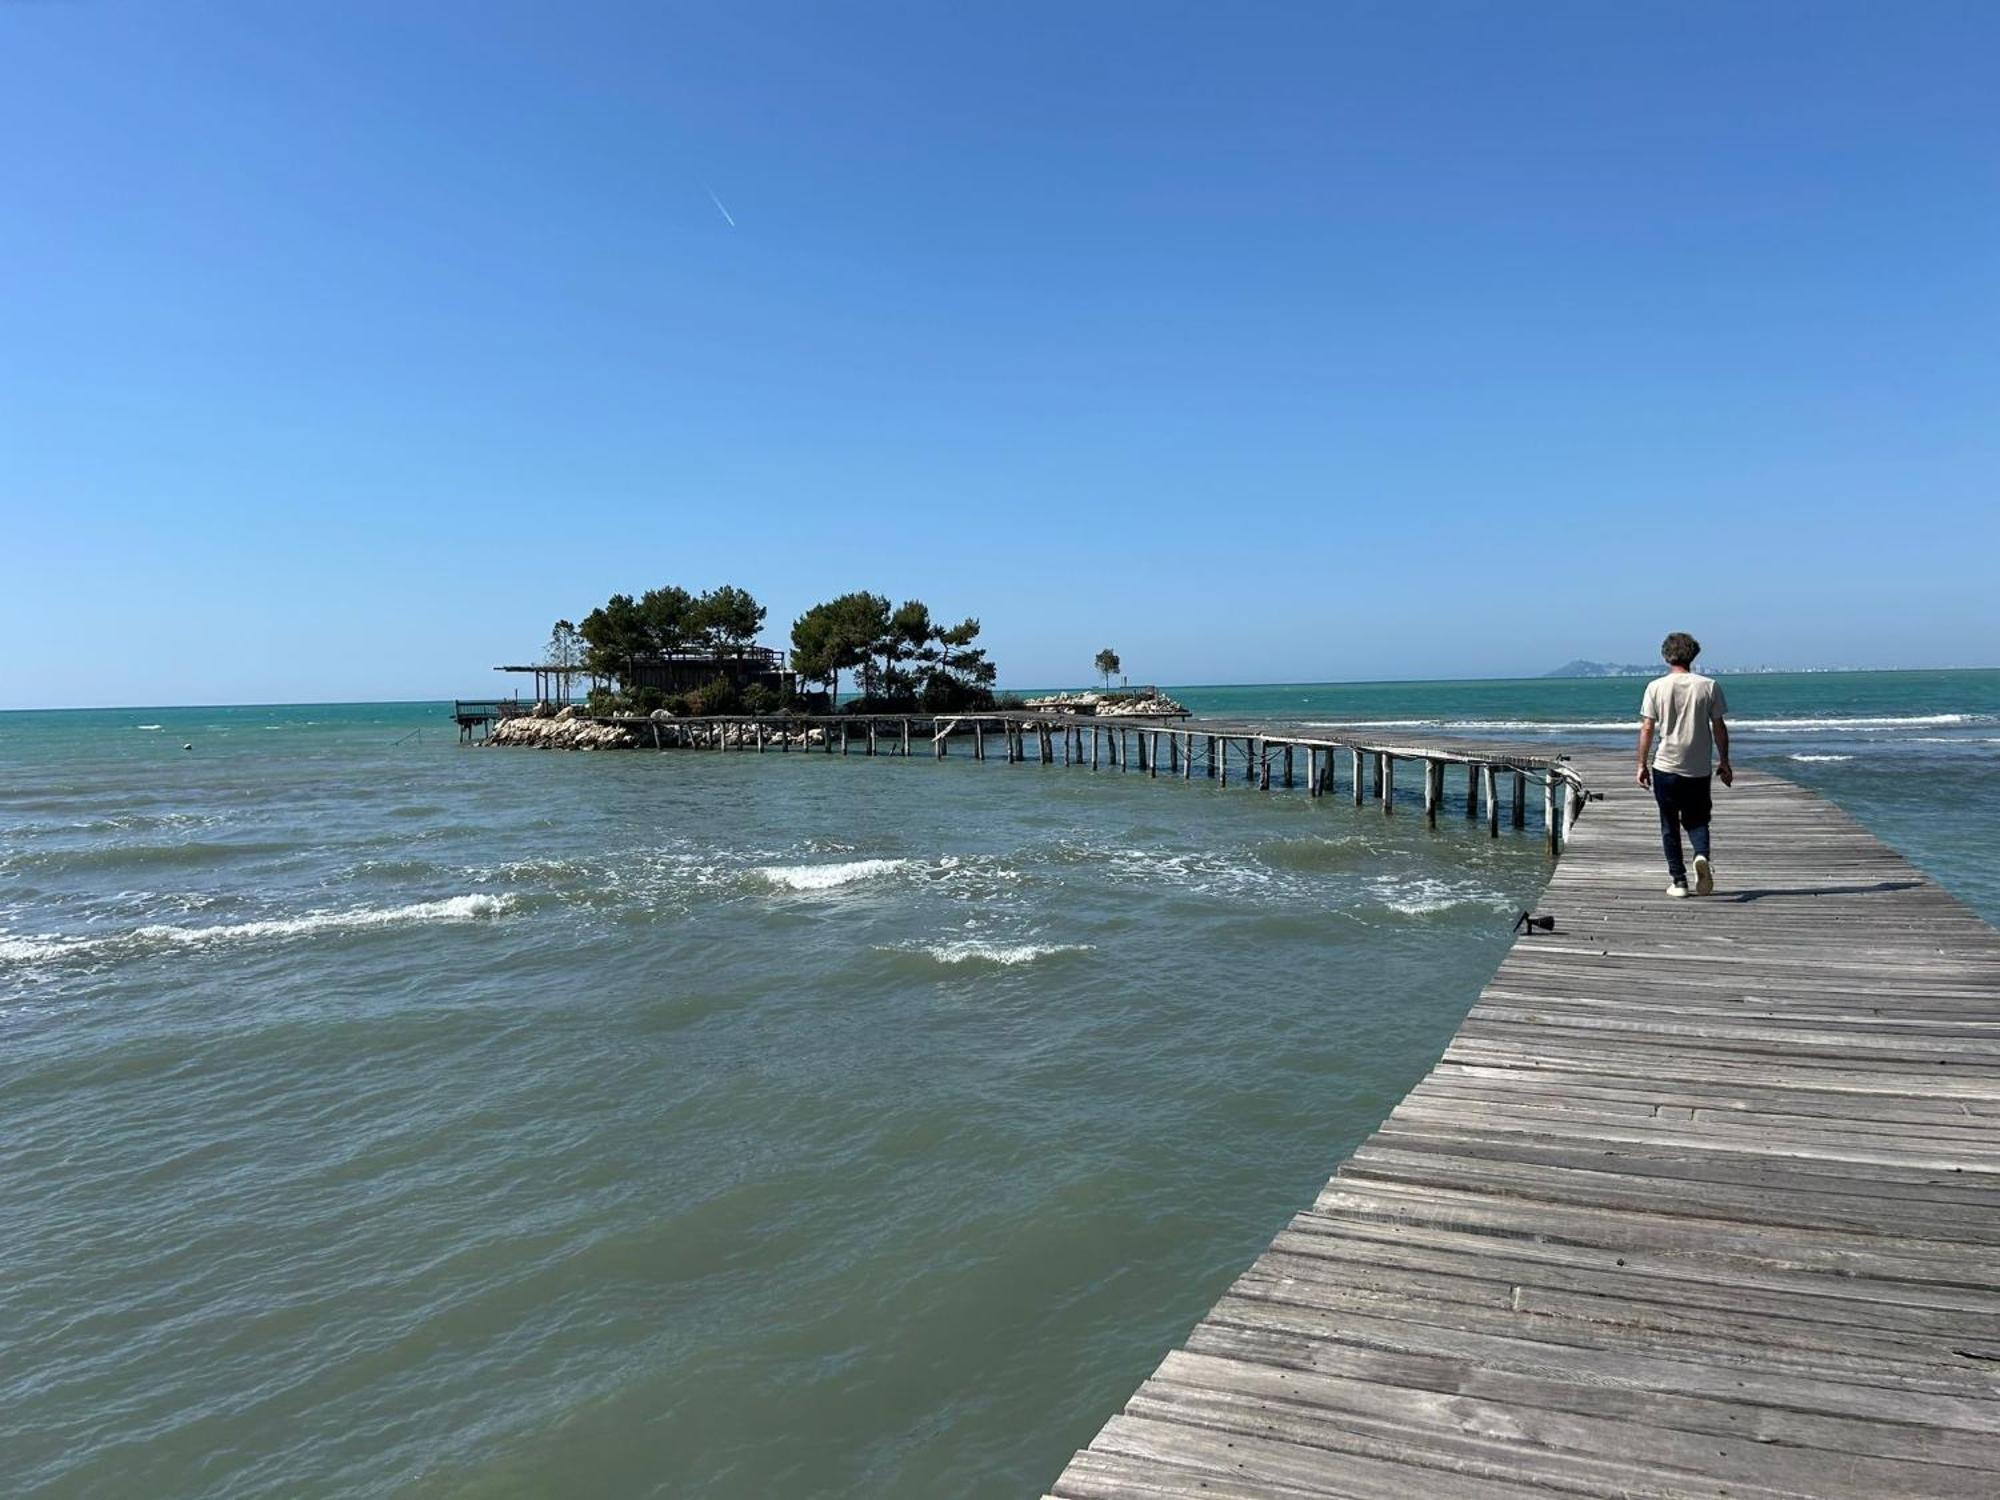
point(1684, 803)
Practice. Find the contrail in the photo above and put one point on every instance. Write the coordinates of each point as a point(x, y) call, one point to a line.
point(718, 205)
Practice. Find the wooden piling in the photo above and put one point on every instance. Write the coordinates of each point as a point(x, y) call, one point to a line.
point(1288, 768)
point(1359, 796)
point(1472, 789)
point(1551, 835)
point(1387, 763)
point(1433, 785)
point(1489, 787)
point(1520, 799)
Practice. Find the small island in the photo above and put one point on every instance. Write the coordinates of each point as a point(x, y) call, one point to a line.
point(669, 655)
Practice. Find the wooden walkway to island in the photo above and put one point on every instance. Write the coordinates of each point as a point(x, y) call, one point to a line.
point(1702, 1200)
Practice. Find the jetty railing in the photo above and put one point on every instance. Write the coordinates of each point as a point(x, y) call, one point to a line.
point(1263, 756)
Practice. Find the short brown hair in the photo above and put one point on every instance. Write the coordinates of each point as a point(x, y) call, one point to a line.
point(1680, 649)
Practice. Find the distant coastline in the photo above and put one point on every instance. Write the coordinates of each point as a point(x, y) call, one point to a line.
point(1582, 668)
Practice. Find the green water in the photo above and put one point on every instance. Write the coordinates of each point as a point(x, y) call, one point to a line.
point(380, 1117)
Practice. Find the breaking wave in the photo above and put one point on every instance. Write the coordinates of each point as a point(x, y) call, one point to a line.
point(1425, 895)
point(977, 951)
point(40, 948)
point(1810, 758)
point(827, 877)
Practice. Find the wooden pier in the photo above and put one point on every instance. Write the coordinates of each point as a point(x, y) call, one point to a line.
point(1702, 1200)
point(1265, 756)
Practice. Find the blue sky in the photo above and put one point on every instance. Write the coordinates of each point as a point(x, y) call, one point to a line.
point(343, 347)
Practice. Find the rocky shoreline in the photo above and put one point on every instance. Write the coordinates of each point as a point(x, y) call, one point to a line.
point(1113, 705)
point(546, 727)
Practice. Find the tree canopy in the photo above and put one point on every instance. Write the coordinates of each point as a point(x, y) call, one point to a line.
point(901, 657)
point(1107, 665)
point(668, 622)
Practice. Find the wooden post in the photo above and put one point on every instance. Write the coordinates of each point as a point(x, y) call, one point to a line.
point(1433, 780)
point(1360, 794)
point(1140, 737)
point(1187, 756)
point(760, 739)
point(1173, 752)
point(1388, 765)
point(1094, 735)
point(1153, 761)
point(1263, 766)
point(1550, 835)
point(978, 740)
point(785, 739)
point(1520, 799)
point(1381, 761)
point(1488, 784)
point(1288, 767)
point(1222, 766)
point(1209, 758)
point(1312, 770)
point(1472, 789)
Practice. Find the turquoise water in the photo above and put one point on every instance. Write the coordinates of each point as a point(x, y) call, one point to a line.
point(382, 1117)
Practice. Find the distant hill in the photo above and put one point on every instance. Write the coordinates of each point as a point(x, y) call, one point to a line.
point(1582, 668)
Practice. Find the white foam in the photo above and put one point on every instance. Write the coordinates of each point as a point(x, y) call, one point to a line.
point(1818, 757)
point(149, 726)
point(973, 950)
point(34, 948)
point(1423, 895)
point(828, 877)
point(452, 909)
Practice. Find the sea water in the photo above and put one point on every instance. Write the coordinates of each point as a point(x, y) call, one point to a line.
point(383, 1116)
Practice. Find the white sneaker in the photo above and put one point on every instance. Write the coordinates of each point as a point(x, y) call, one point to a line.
point(1704, 877)
point(1677, 889)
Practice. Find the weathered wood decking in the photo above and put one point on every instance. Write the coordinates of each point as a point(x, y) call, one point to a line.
point(1703, 1200)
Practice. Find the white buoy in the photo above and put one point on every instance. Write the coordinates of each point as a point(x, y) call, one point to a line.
point(187, 747)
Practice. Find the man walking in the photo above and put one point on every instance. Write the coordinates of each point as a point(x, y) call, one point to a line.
point(1680, 729)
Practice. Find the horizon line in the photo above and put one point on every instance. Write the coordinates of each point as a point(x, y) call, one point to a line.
point(1169, 687)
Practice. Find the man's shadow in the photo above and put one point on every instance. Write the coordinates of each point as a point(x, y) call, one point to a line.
point(1822, 890)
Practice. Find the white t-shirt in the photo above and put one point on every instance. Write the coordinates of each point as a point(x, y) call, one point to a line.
point(1684, 707)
